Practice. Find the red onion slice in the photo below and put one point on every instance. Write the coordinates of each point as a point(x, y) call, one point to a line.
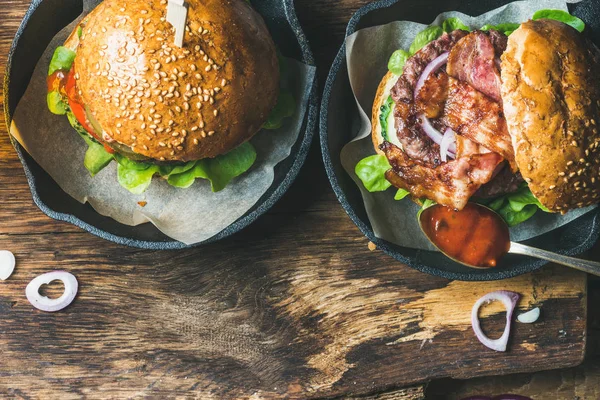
point(509, 299)
point(7, 264)
point(50, 305)
point(433, 133)
point(449, 139)
point(433, 66)
point(530, 316)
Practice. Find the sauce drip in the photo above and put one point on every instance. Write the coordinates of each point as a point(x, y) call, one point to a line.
point(475, 235)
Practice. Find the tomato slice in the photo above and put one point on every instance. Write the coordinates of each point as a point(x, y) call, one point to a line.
point(78, 108)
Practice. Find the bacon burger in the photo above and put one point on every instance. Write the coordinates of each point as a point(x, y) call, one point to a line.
point(481, 114)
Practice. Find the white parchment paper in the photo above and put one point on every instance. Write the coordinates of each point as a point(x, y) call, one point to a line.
point(188, 215)
point(367, 54)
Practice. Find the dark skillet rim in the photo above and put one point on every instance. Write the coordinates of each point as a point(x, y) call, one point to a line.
point(387, 247)
point(300, 154)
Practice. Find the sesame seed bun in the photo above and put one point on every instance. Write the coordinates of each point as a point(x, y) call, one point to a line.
point(551, 95)
point(176, 104)
point(383, 92)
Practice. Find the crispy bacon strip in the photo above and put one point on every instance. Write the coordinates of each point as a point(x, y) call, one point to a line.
point(475, 116)
point(475, 60)
point(450, 184)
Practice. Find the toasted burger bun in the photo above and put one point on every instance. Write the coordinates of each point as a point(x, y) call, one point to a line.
point(169, 103)
point(383, 92)
point(551, 94)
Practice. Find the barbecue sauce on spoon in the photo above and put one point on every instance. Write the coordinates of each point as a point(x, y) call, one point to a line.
point(475, 236)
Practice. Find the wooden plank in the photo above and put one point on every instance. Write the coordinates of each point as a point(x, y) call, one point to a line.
point(295, 305)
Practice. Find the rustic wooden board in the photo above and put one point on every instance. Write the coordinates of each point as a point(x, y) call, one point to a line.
point(296, 305)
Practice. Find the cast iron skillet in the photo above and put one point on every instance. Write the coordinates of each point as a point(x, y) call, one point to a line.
point(42, 21)
point(338, 101)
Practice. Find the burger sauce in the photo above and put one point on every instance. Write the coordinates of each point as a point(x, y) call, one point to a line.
point(475, 235)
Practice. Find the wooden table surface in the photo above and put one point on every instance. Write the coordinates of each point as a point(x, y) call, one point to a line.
point(296, 305)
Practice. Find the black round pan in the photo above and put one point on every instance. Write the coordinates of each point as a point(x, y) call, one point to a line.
point(42, 21)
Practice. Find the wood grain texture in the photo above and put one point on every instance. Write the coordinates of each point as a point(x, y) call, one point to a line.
point(295, 306)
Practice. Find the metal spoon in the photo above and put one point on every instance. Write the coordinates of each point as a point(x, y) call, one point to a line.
point(478, 237)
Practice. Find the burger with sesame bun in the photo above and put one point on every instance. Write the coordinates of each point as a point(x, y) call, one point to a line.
point(157, 109)
point(504, 115)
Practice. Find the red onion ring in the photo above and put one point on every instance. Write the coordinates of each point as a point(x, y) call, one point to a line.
point(509, 299)
point(449, 139)
point(433, 133)
point(7, 264)
point(50, 305)
point(433, 66)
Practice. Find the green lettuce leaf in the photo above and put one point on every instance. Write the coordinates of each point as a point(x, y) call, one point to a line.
point(400, 194)
point(285, 107)
point(61, 59)
point(506, 28)
point(454, 23)
point(219, 170)
point(56, 104)
point(514, 218)
point(386, 109)
point(371, 171)
point(516, 207)
point(186, 179)
point(562, 16)
point(96, 157)
point(135, 180)
point(522, 198)
point(397, 61)
point(429, 34)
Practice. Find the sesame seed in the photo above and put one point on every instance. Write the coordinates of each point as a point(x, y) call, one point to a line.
point(211, 133)
point(193, 67)
point(201, 124)
point(207, 68)
point(198, 105)
point(574, 143)
point(223, 82)
point(183, 133)
point(216, 112)
point(186, 106)
point(569, 163)
point(179, 148)
point(203, 134)
point(175, 134)
point(195, 141)
point(178, 109)
point(145, 147)
point(194, 128)
point(552, 187)
point(198, 76)
point(161, 144)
